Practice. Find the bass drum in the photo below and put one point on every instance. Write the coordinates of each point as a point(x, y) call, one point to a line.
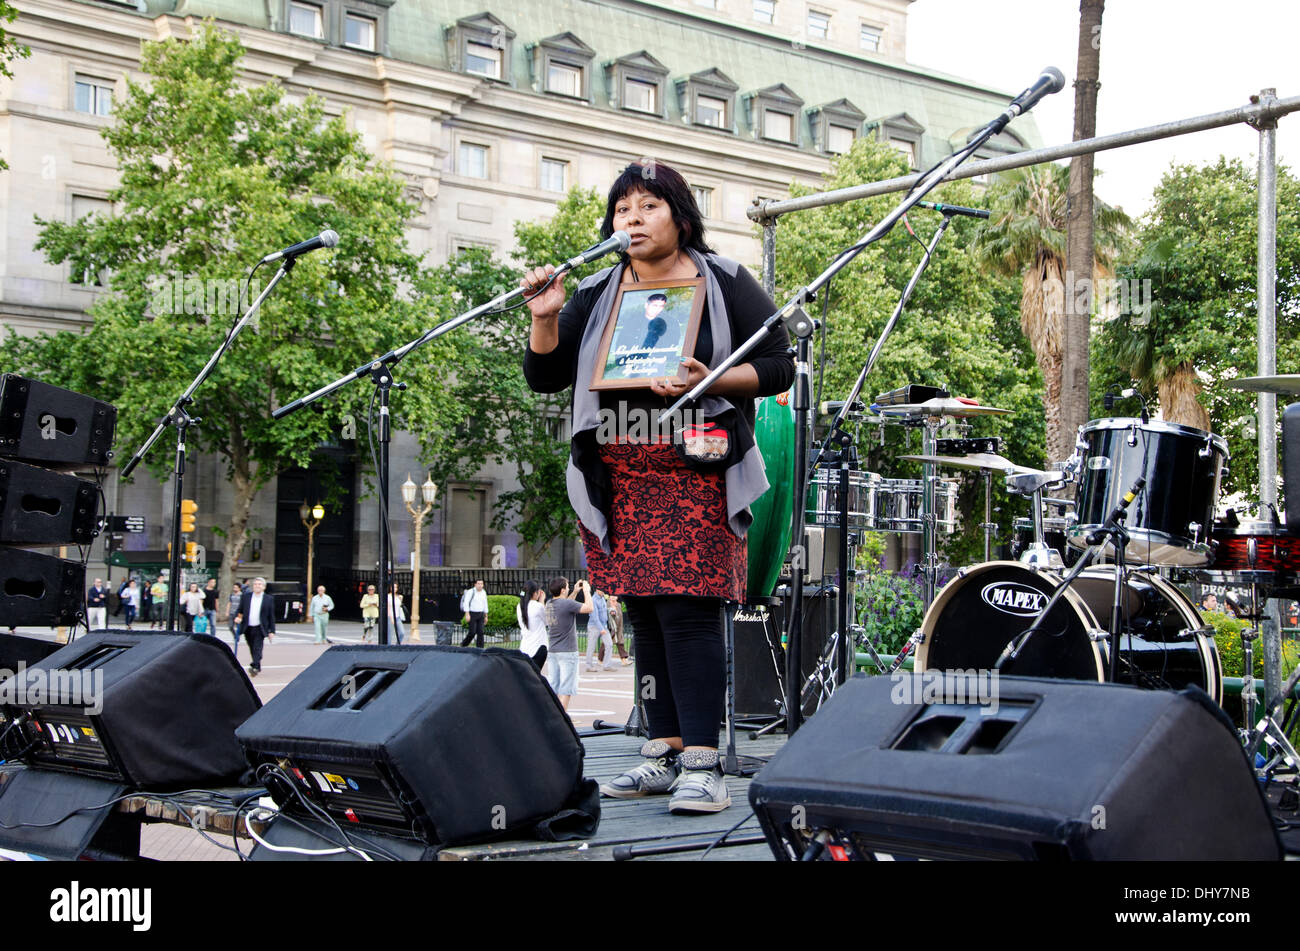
point(986, 606)
point(769, 534)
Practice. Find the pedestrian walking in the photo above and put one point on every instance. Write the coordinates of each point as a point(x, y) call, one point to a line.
point(191, 606)
point(131, 601)
point(474, 604)
point(257, 614)
point(321, 606)
point(616, 622)
point(236, 592)
point(369, 614)
point(396, 614)
point(598, 633)
point(160, 600)
point(210, 605)
point(97, 606)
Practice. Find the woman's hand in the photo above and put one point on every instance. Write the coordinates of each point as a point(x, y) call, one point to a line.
point(671, 386)
point(544, 306)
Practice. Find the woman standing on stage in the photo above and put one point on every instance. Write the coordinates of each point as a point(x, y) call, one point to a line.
point(665, 534)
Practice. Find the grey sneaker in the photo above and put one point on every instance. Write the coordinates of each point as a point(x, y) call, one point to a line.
point(701, 787)
point(653, 777)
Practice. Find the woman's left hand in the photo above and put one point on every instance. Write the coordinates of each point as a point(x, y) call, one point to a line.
point(671, 386)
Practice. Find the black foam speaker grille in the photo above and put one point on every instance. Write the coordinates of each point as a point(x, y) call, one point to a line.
point(1291, 466)
point(38, 589)
point(52, 426)
point(40, 507)
point(920, 765)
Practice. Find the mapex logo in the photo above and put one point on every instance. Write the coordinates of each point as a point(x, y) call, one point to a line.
point(1010, 597)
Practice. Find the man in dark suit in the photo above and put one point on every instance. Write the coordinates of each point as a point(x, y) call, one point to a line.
point(257, 614)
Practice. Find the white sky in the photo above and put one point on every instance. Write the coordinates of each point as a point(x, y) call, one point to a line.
point(1161, 60)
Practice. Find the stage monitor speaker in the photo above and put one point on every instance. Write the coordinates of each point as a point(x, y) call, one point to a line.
point(931, 766)
point(15, 650)
point(757, 660)
point(1291, 466)
point(37, 589)
point(40, 507)
point(53, 426)
point(153, 711)
point(443, 744)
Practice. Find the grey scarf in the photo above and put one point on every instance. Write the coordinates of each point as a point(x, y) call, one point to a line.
point(746, 479)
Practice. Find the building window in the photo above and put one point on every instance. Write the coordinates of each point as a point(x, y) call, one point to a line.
point(480, 45)
point(307, 19)
point(908, 150)
point(83, 205)
point(483, 60)
point(553, 175)
point(839, 139)
point(711, 112)
point(778, 125)
point(639, 95)
point(561, 65)
point(92, 96)
point(359, 32)
point(638, 80)
point(703, 200)
point(869, 38)
point(564, 79)
point(819, 24)
point(765, 11)
point(472, 160)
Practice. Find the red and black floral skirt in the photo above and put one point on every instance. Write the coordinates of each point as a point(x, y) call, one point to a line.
point(668, 529)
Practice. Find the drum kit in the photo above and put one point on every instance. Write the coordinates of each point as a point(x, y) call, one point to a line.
point(1143, 508)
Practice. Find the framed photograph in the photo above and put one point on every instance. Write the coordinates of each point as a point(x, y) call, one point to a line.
point(653, 326)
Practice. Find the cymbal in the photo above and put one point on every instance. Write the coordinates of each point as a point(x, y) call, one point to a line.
point(1287, 384)
point(941, 406)
point(974, 460)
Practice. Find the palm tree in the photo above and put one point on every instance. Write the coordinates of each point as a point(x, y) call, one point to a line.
point(1026, 236)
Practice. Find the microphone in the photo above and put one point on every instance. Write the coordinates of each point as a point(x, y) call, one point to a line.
point(1048, 82)
point(618, 241)
point(953, 209)
point(326, 239)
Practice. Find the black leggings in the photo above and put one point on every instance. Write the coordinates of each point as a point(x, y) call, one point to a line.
point(679, 647)
point(539, 659)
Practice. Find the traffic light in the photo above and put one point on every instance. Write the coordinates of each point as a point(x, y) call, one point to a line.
point(190, 551)
point(188, 509)
point(169, 553)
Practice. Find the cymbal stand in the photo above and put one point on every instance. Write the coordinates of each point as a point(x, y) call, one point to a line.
point(1267, 731)
point(989, 526)
point(929, 528)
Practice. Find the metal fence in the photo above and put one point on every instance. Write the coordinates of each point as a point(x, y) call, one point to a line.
point(440, 588)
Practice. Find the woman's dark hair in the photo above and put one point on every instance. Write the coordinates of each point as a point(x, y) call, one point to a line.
point(664, 183)
point(531, 587)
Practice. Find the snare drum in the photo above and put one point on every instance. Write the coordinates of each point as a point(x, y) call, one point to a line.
point(899, 502)
point(1254, 552)
point(1170, 521)
point(986, 606)
point(824, 498)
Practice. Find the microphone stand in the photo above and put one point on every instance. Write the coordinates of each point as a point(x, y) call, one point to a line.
point(380, 372)
point(179, 417)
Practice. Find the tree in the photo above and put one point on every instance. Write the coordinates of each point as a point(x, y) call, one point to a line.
point(10, 49)
point(214, 174)
point(1198, 248)
point(1026, 237)
point(1080, 253)
point(503, 420)
point(958, 331)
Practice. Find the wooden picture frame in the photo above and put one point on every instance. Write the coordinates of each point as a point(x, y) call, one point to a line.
point(654, 324)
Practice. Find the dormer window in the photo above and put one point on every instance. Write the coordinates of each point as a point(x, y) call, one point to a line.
point(637, 82)
point(772, 114)
point(562, 65)
point(902, 133)
point(836, 125)
point(307, 19)
point(480, 45)
point(708, 99)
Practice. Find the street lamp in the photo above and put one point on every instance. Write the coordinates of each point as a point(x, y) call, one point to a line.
point(430, 492)
point(312, 516)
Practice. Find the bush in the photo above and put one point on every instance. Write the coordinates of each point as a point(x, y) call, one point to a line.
point(1227, 637)
point(501, 612)
point(889, 608)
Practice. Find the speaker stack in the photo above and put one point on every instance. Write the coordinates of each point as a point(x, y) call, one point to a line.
point(43, 429)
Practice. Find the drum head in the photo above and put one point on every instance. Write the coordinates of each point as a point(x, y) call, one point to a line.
point(985, 607)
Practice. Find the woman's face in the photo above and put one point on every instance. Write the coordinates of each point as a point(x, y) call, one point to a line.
point(649, 222)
